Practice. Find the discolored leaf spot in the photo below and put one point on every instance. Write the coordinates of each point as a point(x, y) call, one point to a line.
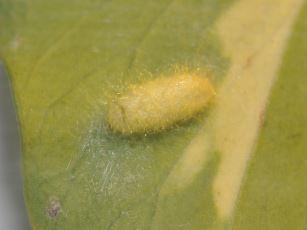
point(54, 208)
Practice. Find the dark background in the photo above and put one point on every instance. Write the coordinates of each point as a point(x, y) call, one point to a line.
point(12, 209)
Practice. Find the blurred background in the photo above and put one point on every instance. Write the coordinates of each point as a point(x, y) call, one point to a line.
point(12, 209)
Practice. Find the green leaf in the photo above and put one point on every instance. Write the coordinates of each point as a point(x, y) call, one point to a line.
point(274, 192)
point(67, 59)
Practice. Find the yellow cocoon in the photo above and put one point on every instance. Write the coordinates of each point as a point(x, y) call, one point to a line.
point(158, 104)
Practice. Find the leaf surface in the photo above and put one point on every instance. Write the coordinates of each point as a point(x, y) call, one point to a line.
point(67, 59)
